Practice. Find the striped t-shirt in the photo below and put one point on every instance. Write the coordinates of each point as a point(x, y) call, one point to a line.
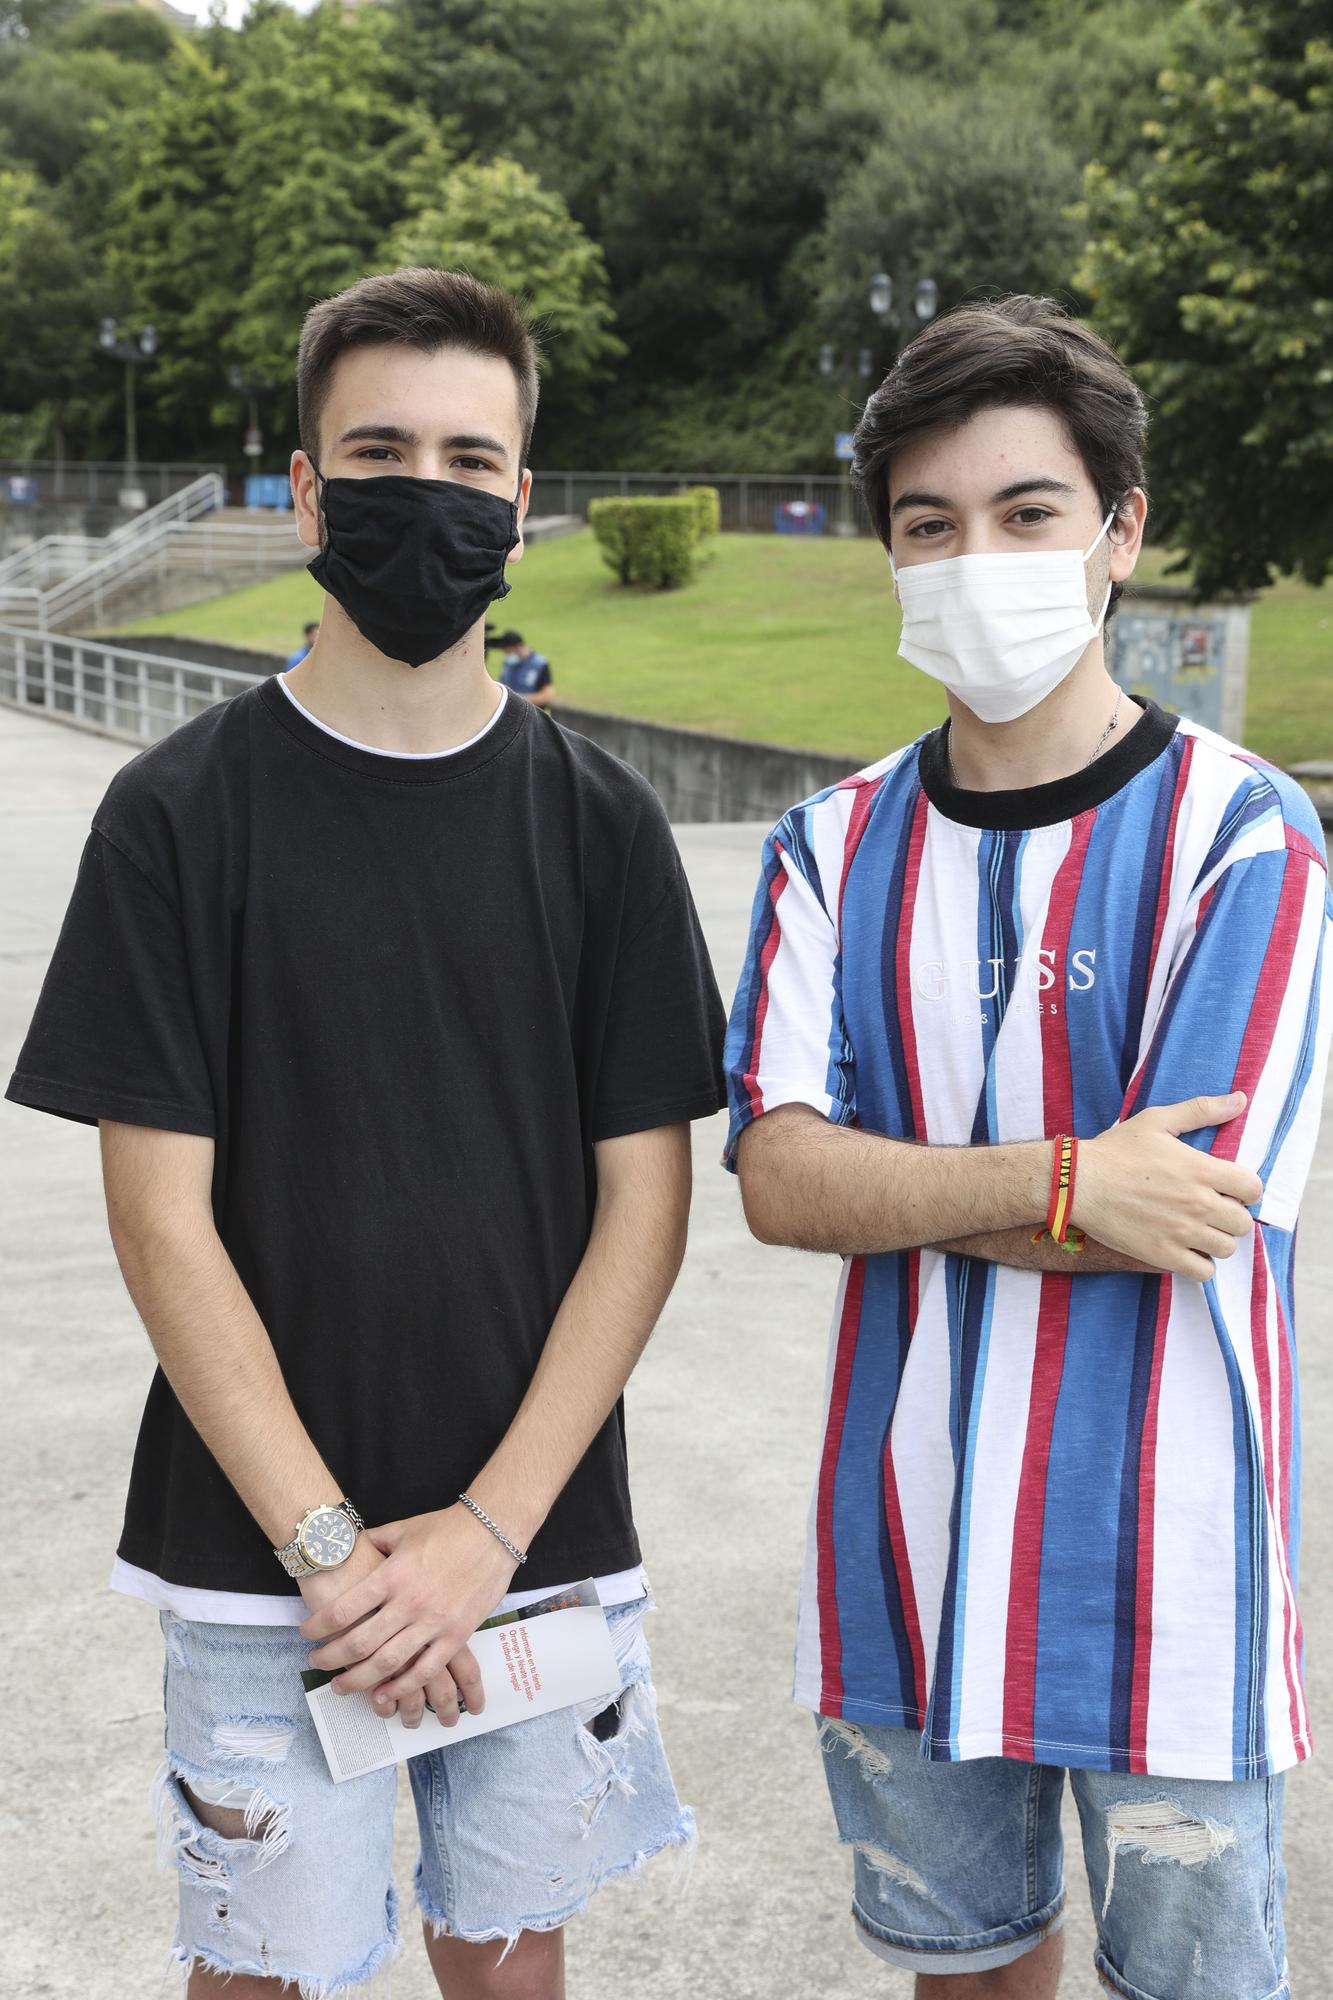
point(1056, 1517)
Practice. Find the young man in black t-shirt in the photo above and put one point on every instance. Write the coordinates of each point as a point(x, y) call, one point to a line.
point(357, 965)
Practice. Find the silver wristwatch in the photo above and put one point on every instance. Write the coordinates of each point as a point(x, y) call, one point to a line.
point(325, 1536)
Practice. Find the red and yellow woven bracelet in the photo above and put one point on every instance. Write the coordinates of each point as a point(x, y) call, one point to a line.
point(1063, 1172)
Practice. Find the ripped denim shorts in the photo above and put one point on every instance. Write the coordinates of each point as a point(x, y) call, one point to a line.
point(517, 1827)
point(960, 1868)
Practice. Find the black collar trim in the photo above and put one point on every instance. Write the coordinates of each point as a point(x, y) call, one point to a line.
point(1045, 805)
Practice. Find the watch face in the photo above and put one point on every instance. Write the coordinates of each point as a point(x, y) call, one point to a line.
point(327, 1537)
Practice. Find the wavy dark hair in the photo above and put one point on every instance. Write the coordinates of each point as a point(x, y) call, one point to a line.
point(1014, 350)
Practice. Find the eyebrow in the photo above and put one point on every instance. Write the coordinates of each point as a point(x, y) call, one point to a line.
point(1040, 483)
point(395, 434)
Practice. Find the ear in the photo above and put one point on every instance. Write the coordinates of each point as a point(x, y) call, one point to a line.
point(524, 501)
point(305, 498)
point(1126, 534)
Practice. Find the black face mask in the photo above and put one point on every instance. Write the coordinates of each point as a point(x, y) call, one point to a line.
point(413, 562)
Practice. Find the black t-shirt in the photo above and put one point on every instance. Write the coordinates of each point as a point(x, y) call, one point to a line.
point(404, 997)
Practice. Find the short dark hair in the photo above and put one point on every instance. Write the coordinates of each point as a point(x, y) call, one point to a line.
point(415, 307)
point(510, 638)
point(994, 354)
point(311, 625)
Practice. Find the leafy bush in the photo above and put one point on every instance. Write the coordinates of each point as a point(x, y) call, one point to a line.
point(709, 502)
point(649, 542)
point(609, 521)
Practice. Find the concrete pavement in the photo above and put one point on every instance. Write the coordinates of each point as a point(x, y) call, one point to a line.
point(724, 1420)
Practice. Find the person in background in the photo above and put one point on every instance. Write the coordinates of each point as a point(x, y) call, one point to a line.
point(526, 672)
point(308, 635)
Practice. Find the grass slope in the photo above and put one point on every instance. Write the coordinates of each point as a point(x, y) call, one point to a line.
point(780, 639)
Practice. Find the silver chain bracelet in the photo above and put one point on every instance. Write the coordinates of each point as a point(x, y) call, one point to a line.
point(517, 1553)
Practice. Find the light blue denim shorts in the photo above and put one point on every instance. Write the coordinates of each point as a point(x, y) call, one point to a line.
point(517, 1827)
point(960, 1867)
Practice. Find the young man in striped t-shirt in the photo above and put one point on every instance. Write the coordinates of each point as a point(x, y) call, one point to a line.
point(1031, 1032)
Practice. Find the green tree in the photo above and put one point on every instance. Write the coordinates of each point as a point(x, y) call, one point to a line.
point(990, 216)
point(176, 242)
point(510, 74)
point(708, 170)
point(328, 137)
point(496, 220)
point(55, 103)
point(1213, 273)
point(49, 300)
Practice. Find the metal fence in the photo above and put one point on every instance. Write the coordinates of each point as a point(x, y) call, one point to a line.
point(750, 500)
point(96, 482)
point(115, 692)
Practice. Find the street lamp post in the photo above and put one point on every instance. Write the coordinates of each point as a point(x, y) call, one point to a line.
point(925, 301)
point(132, 350)
point(252, 390)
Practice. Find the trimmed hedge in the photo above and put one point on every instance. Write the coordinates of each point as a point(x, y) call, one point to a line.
point(650, 542)
point(709, 502)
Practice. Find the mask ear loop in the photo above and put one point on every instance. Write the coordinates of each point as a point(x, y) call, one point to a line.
point(1101, 536)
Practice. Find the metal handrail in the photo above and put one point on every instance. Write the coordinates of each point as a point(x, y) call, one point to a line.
point(166, 544)
point(201, 496)
point(112, 690)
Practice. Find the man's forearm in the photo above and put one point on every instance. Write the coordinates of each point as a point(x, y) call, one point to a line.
point(602, 1327)
point(211, 1343)
point(819, 1186)
point(1016, 1249)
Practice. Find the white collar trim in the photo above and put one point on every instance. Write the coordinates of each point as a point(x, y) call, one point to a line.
point(404, 756)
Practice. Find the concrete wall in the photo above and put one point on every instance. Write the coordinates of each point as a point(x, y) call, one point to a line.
point(203, 652)
point(697, 776)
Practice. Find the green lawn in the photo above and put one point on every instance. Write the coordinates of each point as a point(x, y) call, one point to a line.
point(781, 639)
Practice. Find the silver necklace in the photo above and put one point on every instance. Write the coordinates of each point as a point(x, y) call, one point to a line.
point(1109, 729)
point(1105, 736)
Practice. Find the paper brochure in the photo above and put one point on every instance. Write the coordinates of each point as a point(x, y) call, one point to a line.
point(531, 1662)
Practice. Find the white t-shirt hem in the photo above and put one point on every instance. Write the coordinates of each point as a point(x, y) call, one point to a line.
point(233, 1607)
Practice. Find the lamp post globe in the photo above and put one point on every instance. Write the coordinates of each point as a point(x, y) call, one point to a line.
point(927, 301)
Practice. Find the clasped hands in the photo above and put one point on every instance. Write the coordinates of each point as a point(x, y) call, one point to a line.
point(398, 1614)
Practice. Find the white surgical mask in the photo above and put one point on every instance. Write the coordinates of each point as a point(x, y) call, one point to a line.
point(1000, 631)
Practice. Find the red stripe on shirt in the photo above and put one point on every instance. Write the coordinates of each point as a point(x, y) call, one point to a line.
point(1056, 1060)
point(1297, 843)
point(1266, 1005)
point(1020, 1669)
point(1164, 893)
point(902, 962)
point(1141, 1683)
point(865, 790)
point(766, 957)
point(830, 1634)
point(1020, 1675)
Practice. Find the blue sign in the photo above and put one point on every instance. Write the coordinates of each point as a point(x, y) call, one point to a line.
point(268, 489)
point(842, 446)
